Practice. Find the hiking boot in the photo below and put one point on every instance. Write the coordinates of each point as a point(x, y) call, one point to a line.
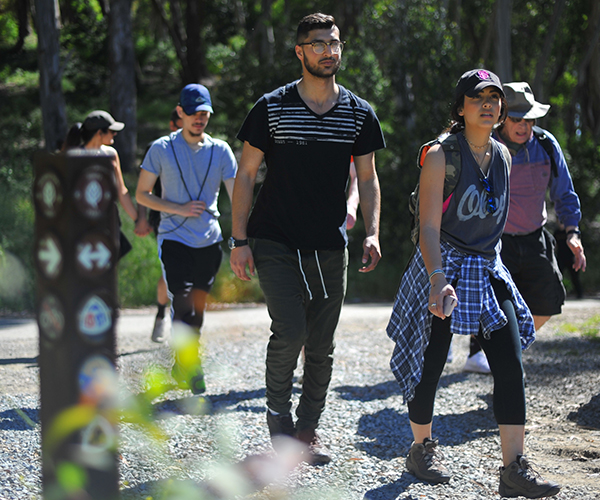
point(424, 462)
point(317, 453)
point(280, 424)
point(519, 479)
point(159, 332)
point(192, 379)
point(477, 363)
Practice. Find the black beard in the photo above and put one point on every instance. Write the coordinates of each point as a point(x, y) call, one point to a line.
point(323, 73)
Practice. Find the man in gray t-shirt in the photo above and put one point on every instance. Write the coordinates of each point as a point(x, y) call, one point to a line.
point(191, 166)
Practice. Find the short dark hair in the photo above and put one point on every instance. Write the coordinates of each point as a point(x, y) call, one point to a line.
point(175, 116)
point(316, 21)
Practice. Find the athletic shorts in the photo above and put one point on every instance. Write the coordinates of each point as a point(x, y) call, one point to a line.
point(532, 262)
point(186, 268)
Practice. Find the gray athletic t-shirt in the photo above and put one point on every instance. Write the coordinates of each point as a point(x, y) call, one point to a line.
point(190, 174)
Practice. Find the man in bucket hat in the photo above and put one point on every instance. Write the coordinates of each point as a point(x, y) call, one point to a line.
point(527, 246)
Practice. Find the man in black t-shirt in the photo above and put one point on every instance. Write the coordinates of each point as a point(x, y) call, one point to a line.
point(306, 132)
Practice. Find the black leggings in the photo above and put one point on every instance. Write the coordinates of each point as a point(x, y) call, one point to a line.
point(503, 351)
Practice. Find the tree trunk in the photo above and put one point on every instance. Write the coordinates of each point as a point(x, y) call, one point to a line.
point(503, 46)
point(589, 75)
point(122, 80)
point(176, 32)
point(196, 52)
point(22, 9)
point(540, 68)
point(51, 96)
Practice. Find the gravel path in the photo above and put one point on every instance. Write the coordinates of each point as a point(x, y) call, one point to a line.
point(365, 423)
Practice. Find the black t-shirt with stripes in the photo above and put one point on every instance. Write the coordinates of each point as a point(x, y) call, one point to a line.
point(302, 202)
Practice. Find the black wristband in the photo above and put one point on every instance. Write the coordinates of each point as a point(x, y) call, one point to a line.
point(574, 231)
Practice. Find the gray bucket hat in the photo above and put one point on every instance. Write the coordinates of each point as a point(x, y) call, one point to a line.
point(522, 103)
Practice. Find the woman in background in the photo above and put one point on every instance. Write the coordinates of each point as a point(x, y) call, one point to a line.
point(98, 131)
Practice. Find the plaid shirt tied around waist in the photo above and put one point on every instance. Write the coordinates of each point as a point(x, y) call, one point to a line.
point(477, 311)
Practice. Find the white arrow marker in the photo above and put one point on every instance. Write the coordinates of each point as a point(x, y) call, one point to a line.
point(49, 254)
point(88, 255)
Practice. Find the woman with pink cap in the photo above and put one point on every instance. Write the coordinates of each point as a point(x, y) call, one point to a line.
point(457, 263)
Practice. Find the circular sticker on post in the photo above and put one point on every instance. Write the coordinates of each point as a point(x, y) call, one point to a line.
point(92, 193)
point(94, 255)
point(48, 194)
point(97, 380)
point(49, 256)
point(94, 319)
point(51, 317)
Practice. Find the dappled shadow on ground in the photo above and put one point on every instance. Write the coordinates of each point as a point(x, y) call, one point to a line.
point(391, 491)
point(19, 361)
point(387, 389)
point(588, 415)
point(12, 420)
point(211, 403)
point(368, 392)
point(387, 433)
point(562, 356)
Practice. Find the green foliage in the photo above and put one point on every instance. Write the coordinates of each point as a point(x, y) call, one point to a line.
point(589, 329)
point(403, 57)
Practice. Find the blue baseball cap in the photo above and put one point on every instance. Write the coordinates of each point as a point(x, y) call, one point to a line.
point(195, 97)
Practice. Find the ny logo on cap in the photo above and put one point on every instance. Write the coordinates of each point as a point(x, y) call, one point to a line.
point(484, 75)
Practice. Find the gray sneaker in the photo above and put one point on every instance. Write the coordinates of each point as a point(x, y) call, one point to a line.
point(161, 327)
point(519, 479)
point(424, 462)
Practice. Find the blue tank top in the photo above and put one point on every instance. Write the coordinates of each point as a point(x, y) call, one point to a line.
point(467, 224)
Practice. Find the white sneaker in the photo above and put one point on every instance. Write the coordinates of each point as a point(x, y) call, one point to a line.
point(477, 363)
point(161, 327)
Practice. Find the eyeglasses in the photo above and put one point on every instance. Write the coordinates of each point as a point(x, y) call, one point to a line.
point(490, 204)
point(319, 47)
point(519, 120)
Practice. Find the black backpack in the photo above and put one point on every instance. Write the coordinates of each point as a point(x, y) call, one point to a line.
point(545, 142)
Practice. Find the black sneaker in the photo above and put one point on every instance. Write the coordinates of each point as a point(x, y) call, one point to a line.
point(280, 424)
point(424, 462)
point(318, 453)
point(519, 479)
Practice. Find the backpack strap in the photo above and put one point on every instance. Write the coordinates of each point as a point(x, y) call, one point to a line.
point(544, 140)
point(451, 150)
point(453, 163)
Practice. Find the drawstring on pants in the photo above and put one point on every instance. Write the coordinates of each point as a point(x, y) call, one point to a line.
point(321, 275)
point(310, 296)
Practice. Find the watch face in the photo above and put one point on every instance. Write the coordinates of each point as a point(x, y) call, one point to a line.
point(231, 243)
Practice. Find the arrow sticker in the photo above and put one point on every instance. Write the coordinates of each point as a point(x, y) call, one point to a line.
point(92, 256)
point(50, 256)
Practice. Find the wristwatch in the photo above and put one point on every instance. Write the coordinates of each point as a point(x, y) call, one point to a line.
point(233, 243)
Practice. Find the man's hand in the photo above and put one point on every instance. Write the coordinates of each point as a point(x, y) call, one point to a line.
point(576, 247)
point(370, 249)
point(192, 209)
point(240, 258)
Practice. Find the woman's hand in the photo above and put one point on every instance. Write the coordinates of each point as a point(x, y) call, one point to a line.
point(440, 288)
